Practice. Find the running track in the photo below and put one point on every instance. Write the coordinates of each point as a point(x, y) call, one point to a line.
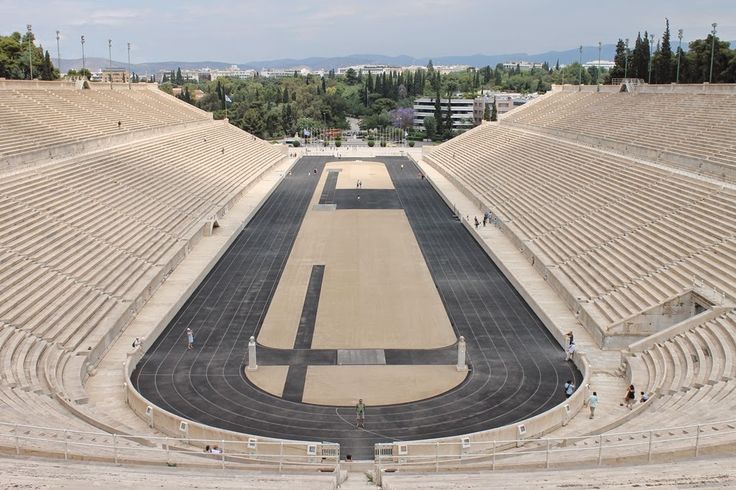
point(517, 368)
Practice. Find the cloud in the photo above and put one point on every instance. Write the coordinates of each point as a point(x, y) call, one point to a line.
point(113, 17)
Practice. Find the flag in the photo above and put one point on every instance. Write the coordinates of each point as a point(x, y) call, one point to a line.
point(228, 99)
point(307, 133)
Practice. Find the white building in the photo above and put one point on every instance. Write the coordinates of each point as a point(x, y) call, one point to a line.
point(523, 65)
point(233, 71)
point(605, 64)
point(466, 113)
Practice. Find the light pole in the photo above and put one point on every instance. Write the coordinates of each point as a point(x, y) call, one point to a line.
point(580, 65)
point(626, 61)
point(84, 65)
point(58, 53)
point(129, 75)
point(30, 51)
point(679, 55)
point(651, 45)
point(712, 52)
point(109, 53)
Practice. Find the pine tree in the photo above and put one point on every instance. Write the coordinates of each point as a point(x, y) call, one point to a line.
point(494, 111)
point(619, 70)
point(663, 66)
point(487, 112)
point(639, 66)
point(438, 111)
point(47, 69)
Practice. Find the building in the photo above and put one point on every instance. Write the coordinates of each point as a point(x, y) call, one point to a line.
point(604, 64)
point(233, 71)
point(523, 65)
point(115, 75)
point(466, 113)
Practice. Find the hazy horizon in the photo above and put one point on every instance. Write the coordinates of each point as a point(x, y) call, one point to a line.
point(246, 31)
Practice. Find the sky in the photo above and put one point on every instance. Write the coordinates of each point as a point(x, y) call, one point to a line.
point(247, 30)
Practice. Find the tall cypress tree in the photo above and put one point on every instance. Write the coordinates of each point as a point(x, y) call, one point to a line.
point(663, 71)
point(639, 66)
point(619, 70)
point(438, 111)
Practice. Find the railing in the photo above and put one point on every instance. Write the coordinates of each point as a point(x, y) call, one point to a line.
point(263, 450)
point(124, 448)
point(619, 447)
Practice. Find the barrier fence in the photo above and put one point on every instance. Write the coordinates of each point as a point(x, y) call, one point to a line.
point(617, 447)
point(123, 448)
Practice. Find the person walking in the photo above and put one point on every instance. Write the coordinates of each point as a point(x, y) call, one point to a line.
point(190, 339)
point(570, 351)
point(360, 415)
point(630, 397)
point(475, 218)
point(592, 404)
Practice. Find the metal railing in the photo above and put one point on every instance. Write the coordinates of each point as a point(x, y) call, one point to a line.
point(618, 447)
point(69, 444)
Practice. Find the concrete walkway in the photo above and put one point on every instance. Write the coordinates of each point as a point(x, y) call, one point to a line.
point(105, 388)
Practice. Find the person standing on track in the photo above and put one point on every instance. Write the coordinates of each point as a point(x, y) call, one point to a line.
point(190, 339)
point(360, 415)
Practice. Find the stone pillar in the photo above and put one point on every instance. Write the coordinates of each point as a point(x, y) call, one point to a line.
point(461, 365)
point(252, 364)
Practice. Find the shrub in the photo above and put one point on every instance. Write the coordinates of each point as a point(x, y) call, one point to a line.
point(383, 142)
point(411, 143)
point(325, 143)
point(338, 143)
point(296, 144)
point(371, 143)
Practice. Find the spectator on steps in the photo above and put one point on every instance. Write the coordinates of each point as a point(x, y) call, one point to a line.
point(629, 398)
point(644, 397)
point(570, 351)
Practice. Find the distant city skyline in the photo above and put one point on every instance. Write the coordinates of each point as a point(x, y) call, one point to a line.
point(248, 31)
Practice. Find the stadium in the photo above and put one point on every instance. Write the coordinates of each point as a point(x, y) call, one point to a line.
point(180, 297)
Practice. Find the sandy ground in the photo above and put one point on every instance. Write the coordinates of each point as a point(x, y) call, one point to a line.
point(377, 385)
point(377, 292)
point(270, 379)
point(373, 175)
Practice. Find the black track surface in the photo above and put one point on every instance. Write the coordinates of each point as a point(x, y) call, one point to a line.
point(517, 368)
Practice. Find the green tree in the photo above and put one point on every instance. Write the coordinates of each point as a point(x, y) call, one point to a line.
point(351, 77)
point(619, 69)
point(494, 111)
point(663, 62)
point(438, 112)
point(487, 112)
point(430, 127)
point(639, 66)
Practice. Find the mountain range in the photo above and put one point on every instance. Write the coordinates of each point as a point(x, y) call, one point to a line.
point(590, 53)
